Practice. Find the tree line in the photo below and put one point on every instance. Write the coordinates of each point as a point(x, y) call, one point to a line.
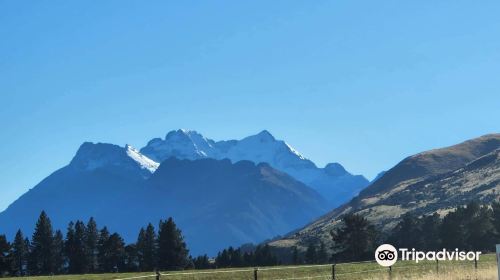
point(245, 256)
point(87, 249)
point(472, 227)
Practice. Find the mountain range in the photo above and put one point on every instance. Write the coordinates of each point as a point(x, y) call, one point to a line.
point(333, 182)
point(220, 193)
point(435, 181)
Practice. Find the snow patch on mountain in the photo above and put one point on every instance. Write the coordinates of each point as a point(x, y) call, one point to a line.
point(143, 161)
point(93, 156)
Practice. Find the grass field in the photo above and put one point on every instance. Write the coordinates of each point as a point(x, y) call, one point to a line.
point(487, 269)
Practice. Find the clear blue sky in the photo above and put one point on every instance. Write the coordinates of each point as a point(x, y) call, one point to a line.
point(363, 83)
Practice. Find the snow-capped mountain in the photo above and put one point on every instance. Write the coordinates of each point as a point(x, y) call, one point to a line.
point(92, 156)
point(333, 182)
point(215, 202)
point(102, 180)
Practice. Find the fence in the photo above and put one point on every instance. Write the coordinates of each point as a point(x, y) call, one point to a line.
point(340, 271)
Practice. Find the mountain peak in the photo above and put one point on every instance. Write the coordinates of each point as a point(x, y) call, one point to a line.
point(181, 143)
point(266, 135)
point(91, 156)
point(180, 133)
point(434, 162)
point(335, 169)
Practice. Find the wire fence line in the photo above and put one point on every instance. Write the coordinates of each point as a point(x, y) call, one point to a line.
point(335, 273)
point(137, 277)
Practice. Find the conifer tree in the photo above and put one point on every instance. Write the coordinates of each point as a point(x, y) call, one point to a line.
point(311, 254)
point(115, 256)
point(295, 255)
point(495, 206)
point(481, 231)
point(42, 245)
point(19, 255)
point(172, 250)
point(430, 232)
point(201, 262)
point(355, 240)
point(140, 249)
point(59, 254)
point(69, 247)
point(102, 249)
point(131, 260)
point(91, 238)
point(407, 233)
point(223, 259)
point(4, 256)
point(75, 248)
point(322, 256)
point(264, 257)
point(147, 248)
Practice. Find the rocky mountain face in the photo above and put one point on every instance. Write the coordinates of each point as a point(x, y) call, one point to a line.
point(333, 182)
point(217, 203)
point(435, 181)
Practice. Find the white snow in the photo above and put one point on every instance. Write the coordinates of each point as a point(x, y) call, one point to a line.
point(262, 147)
point(143, 161)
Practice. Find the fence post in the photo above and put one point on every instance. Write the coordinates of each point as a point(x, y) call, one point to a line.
point(158, 275)
point(437, 265)
point(255, 273)
point(333, 271)
point(475, 263)
point(390, 272)
point(497, 247)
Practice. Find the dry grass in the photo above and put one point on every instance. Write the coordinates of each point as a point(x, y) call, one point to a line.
point(487, 270)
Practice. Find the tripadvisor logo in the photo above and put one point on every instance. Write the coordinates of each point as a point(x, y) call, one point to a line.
point(387, 255)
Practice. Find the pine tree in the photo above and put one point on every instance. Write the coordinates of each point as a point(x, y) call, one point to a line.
point(495, 206)
point(356, 240)
point(140, 244)
point(223, 259)
point(236, 258)
point(201, 262)
point(453, 232)
point(430, 232)
point(295, 255)
point(322, 256)
point(19, 255)
point(311, 254)
point(75, 248)
point(264, 256)
point(81, 265)
point(69, 247)
point(42, 255)
point(407, 233)
point(469, 228)
point(102, 249)
point(172, 250)
point(115, 257)
point(147, 248)
point(4, 256)
point(91, 238)
point(59, 254)
point(131, 258)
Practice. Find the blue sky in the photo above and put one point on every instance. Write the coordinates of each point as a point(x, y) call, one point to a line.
point(363, 83)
